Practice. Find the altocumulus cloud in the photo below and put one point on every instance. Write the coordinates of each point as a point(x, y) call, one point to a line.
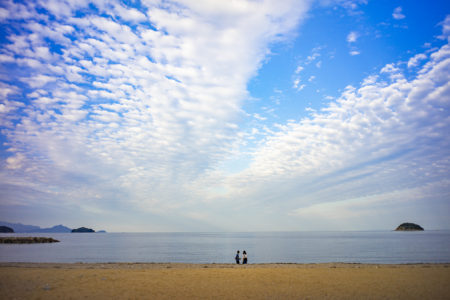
point(106, 105)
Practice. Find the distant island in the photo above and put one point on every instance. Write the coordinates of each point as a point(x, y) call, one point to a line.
point(6, 229)
point(409, 227)
point(26, 240)
point(83, 229)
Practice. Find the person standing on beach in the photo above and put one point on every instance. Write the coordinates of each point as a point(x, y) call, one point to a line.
point(237, 258)
point(244, 258)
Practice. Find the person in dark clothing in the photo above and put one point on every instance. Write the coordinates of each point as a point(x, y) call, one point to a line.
point(237, 258)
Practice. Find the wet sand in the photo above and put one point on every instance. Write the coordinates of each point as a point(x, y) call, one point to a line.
point(223, 281)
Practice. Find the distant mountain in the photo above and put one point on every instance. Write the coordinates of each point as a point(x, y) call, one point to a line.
point(21, 228)
point(57, 228)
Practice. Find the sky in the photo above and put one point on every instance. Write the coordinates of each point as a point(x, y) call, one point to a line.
point(207, 115)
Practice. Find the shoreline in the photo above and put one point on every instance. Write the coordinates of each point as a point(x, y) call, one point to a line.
point(110, 265)
point(223, 281)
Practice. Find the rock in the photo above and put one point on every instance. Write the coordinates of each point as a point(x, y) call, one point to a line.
point(83, 229)
point(409, 227)
point(6, 229)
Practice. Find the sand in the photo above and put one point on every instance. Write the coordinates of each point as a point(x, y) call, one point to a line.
point(223, 281)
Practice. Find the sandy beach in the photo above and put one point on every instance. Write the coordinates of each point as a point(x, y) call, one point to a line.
point(223, 281)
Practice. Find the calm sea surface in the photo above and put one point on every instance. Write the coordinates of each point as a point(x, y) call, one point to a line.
point(273, 247)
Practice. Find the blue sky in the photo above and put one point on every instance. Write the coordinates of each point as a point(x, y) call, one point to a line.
point(225, 115)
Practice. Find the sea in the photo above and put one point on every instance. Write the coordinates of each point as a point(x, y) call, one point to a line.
point(374, 247)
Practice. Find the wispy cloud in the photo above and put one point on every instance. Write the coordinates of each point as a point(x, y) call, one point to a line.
point(398, 14)
point(314, 56)
point(445, 28)
point(415, 60)
point(297, 84)
point(352, 37)
point(299, 69)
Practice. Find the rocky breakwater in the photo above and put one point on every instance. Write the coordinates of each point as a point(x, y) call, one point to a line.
point(26, 240)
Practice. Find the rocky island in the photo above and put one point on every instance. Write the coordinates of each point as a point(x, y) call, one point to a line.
point(409, 227)
point(83, 229)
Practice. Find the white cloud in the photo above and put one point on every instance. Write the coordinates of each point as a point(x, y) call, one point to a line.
point(6, 58)
point(389, 68)
point(129, 14)
point(258, 117)
point(352, 6)
point(397, 14)
point(352, 37)
point(297, 84)
point(415, 60)
point(39, 81)
point(315, 54)
point(15, 162)
point(393, 71)
point(445, 28)
point(313, 57)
